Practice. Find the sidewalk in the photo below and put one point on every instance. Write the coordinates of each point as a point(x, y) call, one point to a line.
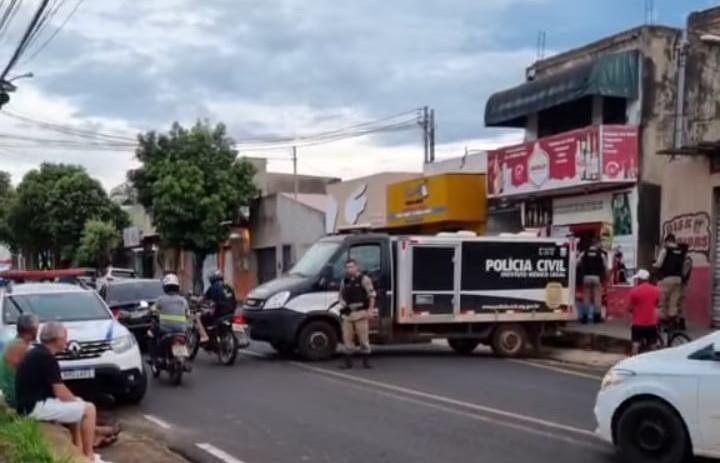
point(609, 336)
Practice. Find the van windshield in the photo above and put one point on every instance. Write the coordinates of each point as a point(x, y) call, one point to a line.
point(315, 259)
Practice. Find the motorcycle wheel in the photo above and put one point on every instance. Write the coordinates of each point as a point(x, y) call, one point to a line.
point(227, 347)
point(193, 344)
point(176, 372)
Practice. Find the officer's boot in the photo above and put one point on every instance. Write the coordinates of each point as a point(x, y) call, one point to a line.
point(366, 361)
point(347, 362)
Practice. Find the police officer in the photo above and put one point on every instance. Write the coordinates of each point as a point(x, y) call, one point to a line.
point(593, 268)
point(669, 264)
point(357, 302)
point(171, 310)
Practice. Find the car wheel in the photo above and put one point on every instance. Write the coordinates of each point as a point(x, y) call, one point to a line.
point(650, 431)
point(463, 346)
point(317, 341)
point(509, 340)
point(136, 394)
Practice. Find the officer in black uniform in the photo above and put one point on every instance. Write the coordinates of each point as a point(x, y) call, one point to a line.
point(593, 269)
point(357, 305)
point(670, 263)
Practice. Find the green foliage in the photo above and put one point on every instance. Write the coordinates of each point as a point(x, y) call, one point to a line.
point(21, 441)
point(50, 209)
point(7, 194)
point(98, 242)
point(190, 181)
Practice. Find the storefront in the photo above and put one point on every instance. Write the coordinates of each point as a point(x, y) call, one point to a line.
point(579, 184)
point(361, 203)
point(445, 202)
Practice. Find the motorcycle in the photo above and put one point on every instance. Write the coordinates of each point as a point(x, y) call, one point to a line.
point(225, 337)
point(172, 356)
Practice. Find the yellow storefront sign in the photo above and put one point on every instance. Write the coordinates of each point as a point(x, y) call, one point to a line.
point(448, 198)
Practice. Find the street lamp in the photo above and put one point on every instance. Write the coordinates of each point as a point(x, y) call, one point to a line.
point(27, 75)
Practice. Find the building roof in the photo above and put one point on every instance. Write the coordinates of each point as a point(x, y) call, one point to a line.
point(313, 201)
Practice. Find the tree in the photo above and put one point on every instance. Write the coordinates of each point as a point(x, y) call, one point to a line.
point(98, 242)
point(50, 209)
point(7, 194)
point(190, 183)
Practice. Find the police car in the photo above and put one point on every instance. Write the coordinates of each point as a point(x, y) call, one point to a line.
point(102, 355)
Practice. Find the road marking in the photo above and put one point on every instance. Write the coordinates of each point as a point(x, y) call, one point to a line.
point(474, 416)
point(218, 453)
point(579, 374)
point(154, 419)
point(450, 401)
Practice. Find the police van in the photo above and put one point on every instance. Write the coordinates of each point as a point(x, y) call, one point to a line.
point(500, 291)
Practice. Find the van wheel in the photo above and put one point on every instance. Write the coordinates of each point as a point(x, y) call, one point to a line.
point(463, 346)
point(650, 431)
point(509, 340)
point(317, 341)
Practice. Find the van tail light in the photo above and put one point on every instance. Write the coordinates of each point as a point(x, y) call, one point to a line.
point(239, 320)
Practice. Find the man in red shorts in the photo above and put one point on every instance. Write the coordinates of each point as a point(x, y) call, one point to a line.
point(643, 302)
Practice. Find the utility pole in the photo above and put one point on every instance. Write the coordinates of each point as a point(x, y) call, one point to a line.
point(295, 172)
point(431, 136)
point(426, 140)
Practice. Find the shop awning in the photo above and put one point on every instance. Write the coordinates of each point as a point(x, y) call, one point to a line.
point(613, 75)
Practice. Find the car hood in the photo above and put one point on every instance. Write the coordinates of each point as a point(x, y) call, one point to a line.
point(286, 283)
point(671, 360)
point(96, 330)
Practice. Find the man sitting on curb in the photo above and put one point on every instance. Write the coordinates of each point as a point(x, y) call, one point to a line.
point(41, 394)
point(27, 327)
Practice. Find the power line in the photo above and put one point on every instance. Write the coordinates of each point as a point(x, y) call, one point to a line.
point(24, 40)
point(55, 32)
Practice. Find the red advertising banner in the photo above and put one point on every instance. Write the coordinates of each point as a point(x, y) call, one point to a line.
point(584, 156)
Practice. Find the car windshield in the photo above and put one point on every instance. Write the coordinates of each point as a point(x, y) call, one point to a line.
point(135, 292)
point(315, 259)
point(62, 307)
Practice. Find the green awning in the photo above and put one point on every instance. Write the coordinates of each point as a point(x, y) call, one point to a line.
point(610, 75)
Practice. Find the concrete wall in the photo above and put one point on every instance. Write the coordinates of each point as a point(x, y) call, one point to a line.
point(280, 220)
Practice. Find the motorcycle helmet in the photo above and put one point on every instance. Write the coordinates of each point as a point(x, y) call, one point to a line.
point(171, 282)
point(216, 276)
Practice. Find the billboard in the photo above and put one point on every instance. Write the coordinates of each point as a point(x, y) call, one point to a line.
point(591, 155)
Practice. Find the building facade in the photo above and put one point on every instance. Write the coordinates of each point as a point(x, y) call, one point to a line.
point(594, 119)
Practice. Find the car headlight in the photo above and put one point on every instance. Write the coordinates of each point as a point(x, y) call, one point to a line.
point(615, 377)
point(122, 344)
point(277, 301)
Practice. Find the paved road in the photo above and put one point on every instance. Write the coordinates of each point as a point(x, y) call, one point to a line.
point(419, 405)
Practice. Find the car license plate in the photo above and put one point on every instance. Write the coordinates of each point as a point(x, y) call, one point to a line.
point(180, 350)
point(239, 328)
point(79, 373)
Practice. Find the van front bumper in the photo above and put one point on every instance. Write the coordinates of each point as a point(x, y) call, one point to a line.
point(277, 326)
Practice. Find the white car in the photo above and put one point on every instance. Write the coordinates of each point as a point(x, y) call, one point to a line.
point(664, 406)
point(102, 355)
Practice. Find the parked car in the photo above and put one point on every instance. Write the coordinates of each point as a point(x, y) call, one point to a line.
point(130, 301)
point(664, 406)
point(114, 273)
point(102, 356)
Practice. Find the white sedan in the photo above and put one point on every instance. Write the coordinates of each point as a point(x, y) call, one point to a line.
point(664, 406)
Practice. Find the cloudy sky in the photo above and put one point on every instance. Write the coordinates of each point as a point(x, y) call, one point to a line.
point(292, 67)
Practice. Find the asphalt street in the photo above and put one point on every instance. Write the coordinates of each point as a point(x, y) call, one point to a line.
point(419, 405)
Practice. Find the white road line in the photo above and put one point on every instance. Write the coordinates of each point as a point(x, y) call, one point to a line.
point(579, 374)
point(450, 401)
point(218, 453)
point(473, 416)
point(154, 419)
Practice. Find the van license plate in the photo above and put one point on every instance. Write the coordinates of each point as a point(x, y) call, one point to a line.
point(80, 373)
point(180, 351)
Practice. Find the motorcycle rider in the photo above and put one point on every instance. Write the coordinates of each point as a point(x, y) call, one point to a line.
point(223, 301)
point(171, 310)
